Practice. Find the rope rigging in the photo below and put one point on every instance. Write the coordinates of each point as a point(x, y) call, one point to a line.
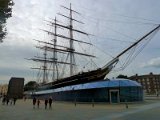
point(133, 53)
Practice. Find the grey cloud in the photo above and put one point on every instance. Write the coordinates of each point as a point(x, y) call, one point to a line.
point(155, 63)
point(28, 16)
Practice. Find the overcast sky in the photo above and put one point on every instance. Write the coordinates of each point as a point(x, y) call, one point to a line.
point(125, 20)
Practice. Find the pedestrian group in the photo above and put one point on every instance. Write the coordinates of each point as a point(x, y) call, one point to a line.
point(46, 102)
point(6, 100)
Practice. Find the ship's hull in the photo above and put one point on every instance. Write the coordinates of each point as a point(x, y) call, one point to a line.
point(81, 78)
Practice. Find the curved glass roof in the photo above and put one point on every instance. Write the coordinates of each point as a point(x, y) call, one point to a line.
point(104, 84)
point(100, 84)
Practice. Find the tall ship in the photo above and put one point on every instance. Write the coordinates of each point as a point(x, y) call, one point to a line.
point(62, 60)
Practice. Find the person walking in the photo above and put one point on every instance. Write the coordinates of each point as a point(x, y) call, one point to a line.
point(50, 103)
point(46, 102)
point(38, 103)
point(4, 100)
point(14, 101)
point(7, 100)
point(34, 102)
point(25, 98)
point(11, 101)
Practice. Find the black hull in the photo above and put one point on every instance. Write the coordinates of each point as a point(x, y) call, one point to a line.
point(85, 77)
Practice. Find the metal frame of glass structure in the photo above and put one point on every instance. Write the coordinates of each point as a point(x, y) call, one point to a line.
point(117, 90)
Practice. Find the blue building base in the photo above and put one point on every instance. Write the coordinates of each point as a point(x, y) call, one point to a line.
point(112, 91)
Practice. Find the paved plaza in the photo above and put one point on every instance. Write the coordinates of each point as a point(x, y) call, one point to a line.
point(23, 110)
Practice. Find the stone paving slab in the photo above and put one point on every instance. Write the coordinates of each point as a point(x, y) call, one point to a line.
point(23, 110)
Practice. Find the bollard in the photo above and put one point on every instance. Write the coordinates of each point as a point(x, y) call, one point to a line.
point(75, 103)
point(92, 102)
point(126, 104)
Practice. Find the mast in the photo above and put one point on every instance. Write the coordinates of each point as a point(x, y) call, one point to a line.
point(44, 67)
point(55, 68)
point(71, 43)
point(71, 39)
point(55, 48)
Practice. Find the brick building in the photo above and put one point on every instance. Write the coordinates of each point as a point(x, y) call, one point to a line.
point(3, 89)
point(150, 82)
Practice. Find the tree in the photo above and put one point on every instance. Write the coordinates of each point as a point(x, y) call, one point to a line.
point(5, 13)
point(122, 76)
point(31, 85)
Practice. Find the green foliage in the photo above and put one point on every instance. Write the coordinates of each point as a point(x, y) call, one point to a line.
point(31, 85)
point(5, 13)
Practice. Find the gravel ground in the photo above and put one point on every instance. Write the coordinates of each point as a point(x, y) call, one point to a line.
point(23, 110)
